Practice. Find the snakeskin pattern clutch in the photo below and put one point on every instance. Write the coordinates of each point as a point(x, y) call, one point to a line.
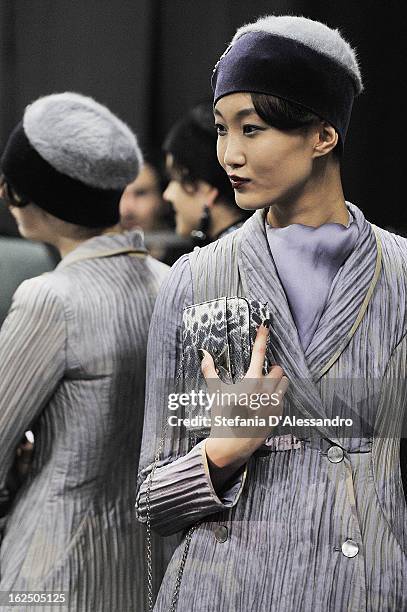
point(226, 328)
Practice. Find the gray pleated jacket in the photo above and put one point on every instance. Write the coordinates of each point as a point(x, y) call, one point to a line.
point(72, 369)
point(306, 527)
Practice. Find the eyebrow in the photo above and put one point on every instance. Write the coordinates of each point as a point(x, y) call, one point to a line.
point(244, 112)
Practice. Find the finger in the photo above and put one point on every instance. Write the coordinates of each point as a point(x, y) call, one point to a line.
point(276, 373)
point(259, 351)
point(207, 364)
point(282, 386)
point(27, 447)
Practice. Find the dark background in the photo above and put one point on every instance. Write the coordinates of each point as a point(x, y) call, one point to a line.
point(149, 60)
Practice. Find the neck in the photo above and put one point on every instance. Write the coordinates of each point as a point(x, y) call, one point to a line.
point(321, 201)
point(66, 244)
point(222, 217)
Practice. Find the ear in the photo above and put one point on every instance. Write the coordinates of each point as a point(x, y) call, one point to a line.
point(208, 193)
point(326, 139)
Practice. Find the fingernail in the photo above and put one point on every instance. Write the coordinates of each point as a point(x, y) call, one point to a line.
point(266, 323)
point(201, 354)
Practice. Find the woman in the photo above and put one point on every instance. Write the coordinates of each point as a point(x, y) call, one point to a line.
point(69, 350)
point(295, 517)
point(198, 189)
point(142, 205)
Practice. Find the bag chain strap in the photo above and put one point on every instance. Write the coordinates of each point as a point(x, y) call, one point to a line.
point(188, 537)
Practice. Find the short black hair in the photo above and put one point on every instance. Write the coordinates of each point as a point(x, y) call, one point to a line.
point(192, 144)
point(285, 115)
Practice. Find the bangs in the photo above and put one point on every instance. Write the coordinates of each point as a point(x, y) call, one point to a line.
point(281, 114)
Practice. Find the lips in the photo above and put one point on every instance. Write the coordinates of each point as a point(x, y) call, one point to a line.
point(238, 181)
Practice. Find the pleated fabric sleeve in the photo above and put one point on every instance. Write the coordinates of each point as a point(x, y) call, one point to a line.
point(32, 362)
point(181, 492)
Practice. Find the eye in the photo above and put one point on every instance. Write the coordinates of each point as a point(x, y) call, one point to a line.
point(249, 128)
point(140, 192)
point(221, 130)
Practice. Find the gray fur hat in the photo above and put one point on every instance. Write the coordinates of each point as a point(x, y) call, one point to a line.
point(73, 157)
point(294, 58)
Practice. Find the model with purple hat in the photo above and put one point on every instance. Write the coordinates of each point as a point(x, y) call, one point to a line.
point(310, 515)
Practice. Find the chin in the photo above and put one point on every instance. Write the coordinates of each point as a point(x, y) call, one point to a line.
point(128, 224)
point(251, 203)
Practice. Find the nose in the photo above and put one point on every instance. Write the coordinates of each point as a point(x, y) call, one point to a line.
point(232, 152)
point(168, 193)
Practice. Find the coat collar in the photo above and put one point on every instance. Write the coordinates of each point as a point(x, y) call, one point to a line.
point(348, 300)
point(106, 245)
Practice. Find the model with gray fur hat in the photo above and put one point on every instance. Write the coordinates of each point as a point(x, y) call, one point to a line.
point(72, 362)
point(297, 504)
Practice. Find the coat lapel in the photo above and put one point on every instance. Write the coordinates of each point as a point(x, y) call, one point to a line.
point(350, 295)
point(106, 245)
point(346, 305)
point(261, 282)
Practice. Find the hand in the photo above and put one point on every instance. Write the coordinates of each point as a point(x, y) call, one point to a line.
point(24, 456)
point(230, 445)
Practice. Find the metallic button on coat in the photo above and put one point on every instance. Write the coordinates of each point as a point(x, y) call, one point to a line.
point(335, 454)
point(350, 548)
point(221, 533)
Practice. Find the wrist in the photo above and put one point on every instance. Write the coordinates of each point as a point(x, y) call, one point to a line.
point(224, 452)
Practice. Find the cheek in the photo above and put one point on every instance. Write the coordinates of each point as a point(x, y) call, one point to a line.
point(146, 207)
point(26, 225)
point(220, 151)
point(17, 215)
point(126, 204)
point(284, 164)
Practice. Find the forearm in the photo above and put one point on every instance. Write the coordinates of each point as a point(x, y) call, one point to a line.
point(224, 461)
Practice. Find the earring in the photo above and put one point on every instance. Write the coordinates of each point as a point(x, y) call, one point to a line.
point(200, 235)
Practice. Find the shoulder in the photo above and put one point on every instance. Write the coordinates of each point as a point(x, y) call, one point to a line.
point(176, 290)
point(36, 309)
point(39, 294)
point(393, 245)
point(179, 275)
point(220, 248)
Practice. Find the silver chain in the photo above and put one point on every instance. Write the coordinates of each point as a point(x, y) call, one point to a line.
point(148, 523)
point(174, 599)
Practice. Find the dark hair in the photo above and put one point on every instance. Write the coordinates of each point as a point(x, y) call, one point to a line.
point(285, 115)
point(192, 144)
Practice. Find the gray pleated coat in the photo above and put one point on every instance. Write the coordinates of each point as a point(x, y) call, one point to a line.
point(72, 369)
point(306, 527)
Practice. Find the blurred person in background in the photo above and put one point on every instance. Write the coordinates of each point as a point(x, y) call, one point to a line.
point(141, 205)
point(198, 189)
point(72, 361)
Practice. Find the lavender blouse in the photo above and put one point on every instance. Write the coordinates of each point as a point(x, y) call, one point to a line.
point(307, 260)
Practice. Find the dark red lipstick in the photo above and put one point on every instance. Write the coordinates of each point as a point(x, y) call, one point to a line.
point(238, 181)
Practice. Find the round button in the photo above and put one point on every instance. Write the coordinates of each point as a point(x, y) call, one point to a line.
point(221, 533)
point(350, 548)
point(335, 454)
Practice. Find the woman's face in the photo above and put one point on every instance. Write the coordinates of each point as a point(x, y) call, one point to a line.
point(265, 165)
point(141, 201)
point(188, 204)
